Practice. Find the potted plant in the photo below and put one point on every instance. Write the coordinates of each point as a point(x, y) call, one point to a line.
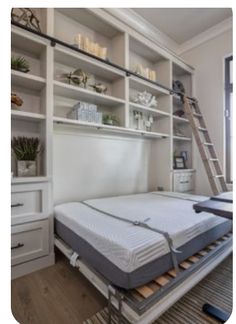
point(110, 120)
point(19, 63)
point(26, 150)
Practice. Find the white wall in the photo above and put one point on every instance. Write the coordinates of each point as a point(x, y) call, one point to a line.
point(87, 165)
point(207, 59)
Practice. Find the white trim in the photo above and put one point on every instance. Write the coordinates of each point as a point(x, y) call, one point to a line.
point(205, 36)
point(137, 22)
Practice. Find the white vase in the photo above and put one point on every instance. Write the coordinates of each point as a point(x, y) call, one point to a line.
point(26, 169)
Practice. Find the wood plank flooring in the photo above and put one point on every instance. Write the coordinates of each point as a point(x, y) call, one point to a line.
point(57, 294)
point(61, 295)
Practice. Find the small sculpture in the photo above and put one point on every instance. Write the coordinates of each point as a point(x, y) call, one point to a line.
point(16, 100)
point(26, 17)
point(77, 77)
point(146, 99)
point(99, 87)
point(178, 86)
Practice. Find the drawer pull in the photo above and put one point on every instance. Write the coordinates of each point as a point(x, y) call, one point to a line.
point(19, 245)
point(17, 205)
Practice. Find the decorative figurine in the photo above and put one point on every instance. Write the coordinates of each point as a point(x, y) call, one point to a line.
point(16, 100)
point(77, 77)
point(99, 87)
point(26, 17)
point(146, 99)
point(178, 86)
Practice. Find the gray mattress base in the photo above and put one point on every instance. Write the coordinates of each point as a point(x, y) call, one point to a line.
point(147, 272)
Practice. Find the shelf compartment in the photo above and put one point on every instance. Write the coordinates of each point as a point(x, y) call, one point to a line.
point(23, 115)
point(78, 93)
point(159, 113)
point(28, 81)
point(148, 57)
point(141, 85)
point(87, 64)
point(183, 76)
point(112, 129)
point(69, 22)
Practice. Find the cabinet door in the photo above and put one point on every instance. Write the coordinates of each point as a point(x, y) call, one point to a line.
point(29, 241)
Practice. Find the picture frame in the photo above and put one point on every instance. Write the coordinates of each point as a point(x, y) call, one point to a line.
point(179, 162)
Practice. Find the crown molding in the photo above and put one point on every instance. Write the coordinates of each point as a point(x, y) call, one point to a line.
point(141, 25)
point(207, 35)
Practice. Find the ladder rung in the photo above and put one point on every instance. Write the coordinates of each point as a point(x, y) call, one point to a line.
point(197, 115)
point(218, 176)
point(201, 129)
point(208, 144)
point(213, 160)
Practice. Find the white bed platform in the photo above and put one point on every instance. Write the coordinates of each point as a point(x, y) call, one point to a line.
point(215, 257)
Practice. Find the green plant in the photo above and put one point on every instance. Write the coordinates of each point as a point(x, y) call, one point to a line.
point(19, 63)
point(26, 148)
point(110, 119)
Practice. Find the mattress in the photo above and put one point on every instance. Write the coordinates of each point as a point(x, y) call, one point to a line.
point(128, 255)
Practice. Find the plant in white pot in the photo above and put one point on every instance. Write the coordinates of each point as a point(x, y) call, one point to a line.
point(26, 150)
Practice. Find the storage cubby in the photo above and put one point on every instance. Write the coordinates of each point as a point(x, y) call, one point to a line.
point(181, 145)
point(69, 22)
point(33, 51)
point(65, 63)
point(143, 60)
point(184, 77)
point(181, 128)
point(30, 128)
point(64, 105)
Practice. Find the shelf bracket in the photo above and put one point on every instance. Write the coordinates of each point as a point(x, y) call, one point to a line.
point(53, 43)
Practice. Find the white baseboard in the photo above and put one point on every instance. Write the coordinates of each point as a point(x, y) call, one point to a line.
point(31, 266)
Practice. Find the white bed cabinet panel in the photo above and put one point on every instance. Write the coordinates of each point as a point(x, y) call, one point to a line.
point(29, 241)
point(183, 180)
point(29, 201)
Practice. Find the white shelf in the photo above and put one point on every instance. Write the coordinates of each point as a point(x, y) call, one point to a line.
point(17, 180)
point(141, 85)
point(75, 92)
point(149, 109)
point(182, 138)
point(180, 119)
point(27, 80)
point(109, 128)
point(89, 65)
point(24, 115)
point(27, 42)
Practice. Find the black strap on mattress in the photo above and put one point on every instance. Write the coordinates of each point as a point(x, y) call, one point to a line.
point(144, 224)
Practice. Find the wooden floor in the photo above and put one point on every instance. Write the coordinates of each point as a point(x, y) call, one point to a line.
point(61, 295)
point(55, 295)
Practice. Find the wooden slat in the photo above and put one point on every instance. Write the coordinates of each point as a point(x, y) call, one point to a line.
point(172, 273)
point(211, 247)
point(162, 281)
point(145, 291)
point(193, 259)
point(136, 295)
point(202, 253)
point(185, 265)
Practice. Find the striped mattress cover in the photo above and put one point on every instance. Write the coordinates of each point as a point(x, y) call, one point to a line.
point(129, 255)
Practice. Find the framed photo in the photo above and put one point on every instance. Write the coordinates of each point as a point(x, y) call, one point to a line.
point(179, 162)
point(185, 155)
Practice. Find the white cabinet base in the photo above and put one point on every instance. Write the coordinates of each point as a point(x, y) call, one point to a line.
point(31, 266)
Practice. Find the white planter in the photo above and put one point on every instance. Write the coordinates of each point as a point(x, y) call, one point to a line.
point(26, 169)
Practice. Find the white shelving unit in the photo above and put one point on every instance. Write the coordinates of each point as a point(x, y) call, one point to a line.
point(48, 96)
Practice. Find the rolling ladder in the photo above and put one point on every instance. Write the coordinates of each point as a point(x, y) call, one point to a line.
point(205, 146)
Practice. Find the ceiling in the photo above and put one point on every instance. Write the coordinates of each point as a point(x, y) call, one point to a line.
point(182, 24)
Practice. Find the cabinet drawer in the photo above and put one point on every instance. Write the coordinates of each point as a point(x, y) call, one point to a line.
point(183, 181)
point(28, 199)
point(29, 241)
